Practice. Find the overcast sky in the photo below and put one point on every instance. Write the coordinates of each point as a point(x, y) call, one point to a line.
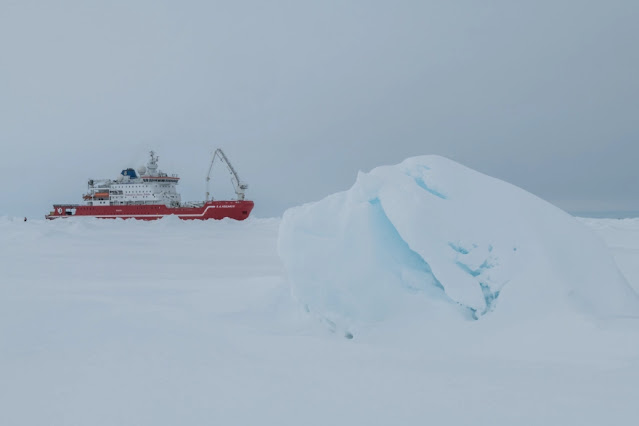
point(302, 95)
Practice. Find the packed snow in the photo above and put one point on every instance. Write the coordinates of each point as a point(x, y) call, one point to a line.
point(169, 322)
point(432, 237)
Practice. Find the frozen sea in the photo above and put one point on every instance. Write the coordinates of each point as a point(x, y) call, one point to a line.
point(171, 322)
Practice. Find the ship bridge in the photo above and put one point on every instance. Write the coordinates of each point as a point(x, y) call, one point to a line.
point(147, 185)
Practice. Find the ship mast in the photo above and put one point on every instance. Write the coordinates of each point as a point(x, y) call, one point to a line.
point(152, 165)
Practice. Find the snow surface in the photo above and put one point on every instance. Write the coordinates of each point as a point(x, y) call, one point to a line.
point(170, 322)
point(432, 237)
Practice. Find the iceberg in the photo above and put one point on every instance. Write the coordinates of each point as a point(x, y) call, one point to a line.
point(432, 237)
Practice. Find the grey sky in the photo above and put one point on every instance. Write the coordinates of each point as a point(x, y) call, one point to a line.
point(302, 95)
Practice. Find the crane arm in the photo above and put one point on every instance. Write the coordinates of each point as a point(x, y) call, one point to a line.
point(238, 185)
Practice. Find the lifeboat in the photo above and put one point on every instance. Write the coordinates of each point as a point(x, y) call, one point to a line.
point(96, 195)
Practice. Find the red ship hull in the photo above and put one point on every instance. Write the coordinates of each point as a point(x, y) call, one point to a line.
point(238, 210)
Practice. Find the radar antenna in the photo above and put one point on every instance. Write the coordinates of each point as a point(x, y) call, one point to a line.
point(238, 185)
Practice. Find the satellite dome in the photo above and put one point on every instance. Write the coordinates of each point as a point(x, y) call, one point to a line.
point(141, 170)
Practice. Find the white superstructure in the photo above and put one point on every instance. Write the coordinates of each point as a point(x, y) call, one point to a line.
point(148, 185)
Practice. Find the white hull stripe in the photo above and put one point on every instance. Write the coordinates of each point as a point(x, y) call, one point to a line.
point(145, 215)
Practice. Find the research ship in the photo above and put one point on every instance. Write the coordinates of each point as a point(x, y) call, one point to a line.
point(148, 193)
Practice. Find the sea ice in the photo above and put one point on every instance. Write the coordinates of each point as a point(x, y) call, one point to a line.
point(431, 236)
point(125, 322)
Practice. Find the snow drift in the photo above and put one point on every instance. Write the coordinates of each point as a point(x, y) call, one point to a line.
point(433, 237)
